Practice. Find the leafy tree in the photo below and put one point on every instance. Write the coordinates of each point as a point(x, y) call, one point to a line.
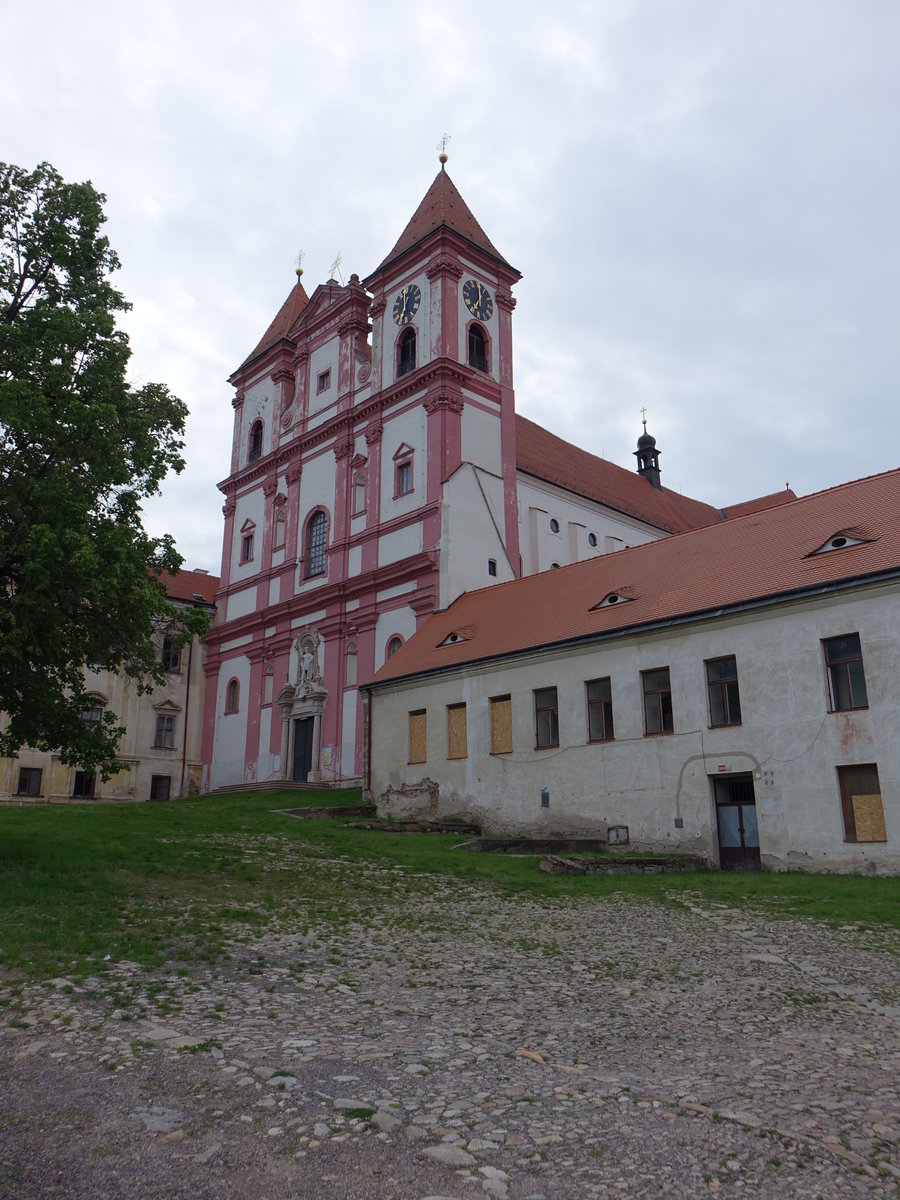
point(80, 448)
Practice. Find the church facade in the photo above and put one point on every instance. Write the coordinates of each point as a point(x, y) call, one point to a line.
point(379, 471)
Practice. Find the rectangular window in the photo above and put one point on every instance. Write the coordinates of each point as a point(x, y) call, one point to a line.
point(457, 731)
point(417, 736)
point(546, 719)
point(403, 483)
point(846, 679)
point(83, 785)
point(722, 686)
point(657, 702)
point(29, 781)
point(171, 658)
point(600, 713)
point(247, 548)
point(165, 732)
point(492, 566)
point(861, 802)
point(323, 383)
point(160, 787)
point(501, 725)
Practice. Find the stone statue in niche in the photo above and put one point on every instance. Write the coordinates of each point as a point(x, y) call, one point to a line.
point(308, 677)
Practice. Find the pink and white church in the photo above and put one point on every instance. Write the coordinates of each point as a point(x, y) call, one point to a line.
point(378, 471)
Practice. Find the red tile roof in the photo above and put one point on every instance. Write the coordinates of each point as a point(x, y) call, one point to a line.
point(732, 563)
point(442, 205)
point(543, 454)
point(284, 321)
point(185, 584)
point(761, 502)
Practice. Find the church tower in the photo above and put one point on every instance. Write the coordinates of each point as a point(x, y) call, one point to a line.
point(442, 337)
point(371, 482)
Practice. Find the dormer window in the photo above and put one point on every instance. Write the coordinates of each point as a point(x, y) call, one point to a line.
point(840, 541)
point(477, 348)
point(256, 441)
point(610, 599)
point(453, 639)
point(406, 352)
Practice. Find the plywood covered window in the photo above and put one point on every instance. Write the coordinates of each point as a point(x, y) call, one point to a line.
point(417, 736)
point(862, 804)
point(457, 731)
point(501, 725)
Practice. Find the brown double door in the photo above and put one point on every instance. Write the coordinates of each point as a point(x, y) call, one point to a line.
point(303, 748)
point(736, 823)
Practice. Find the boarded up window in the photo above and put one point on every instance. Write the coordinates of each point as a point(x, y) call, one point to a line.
point(501, 725)
point(417, 736)
point(457, 740)
point(861, 802)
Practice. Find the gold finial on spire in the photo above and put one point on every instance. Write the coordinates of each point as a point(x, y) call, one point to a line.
point(442, 146)
point(644, 417)
point(299, 270)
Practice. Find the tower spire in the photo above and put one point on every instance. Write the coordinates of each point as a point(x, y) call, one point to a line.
point(647, 455)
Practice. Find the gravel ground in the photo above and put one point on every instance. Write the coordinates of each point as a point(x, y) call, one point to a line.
point(456, 1044)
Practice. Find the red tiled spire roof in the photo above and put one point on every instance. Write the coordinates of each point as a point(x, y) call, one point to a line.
point(738, 562)
point(543, 454)
point(284, 321)
point(442, 205)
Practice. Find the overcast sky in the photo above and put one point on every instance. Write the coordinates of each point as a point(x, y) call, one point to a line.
point(703, 197)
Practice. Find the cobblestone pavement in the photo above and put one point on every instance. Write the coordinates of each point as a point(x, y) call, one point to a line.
point(460, 1044)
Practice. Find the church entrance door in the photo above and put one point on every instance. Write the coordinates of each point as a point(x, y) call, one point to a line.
point(303, 748)
point(736, 822)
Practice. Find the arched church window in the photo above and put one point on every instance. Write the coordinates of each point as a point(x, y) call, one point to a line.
point(477, 348)
point(393, 646)
point(232, 696)
point(316, 538)
point(351, 664)
point(280, 534)
point(406, 352)
point(359, 494)
point(256, 441)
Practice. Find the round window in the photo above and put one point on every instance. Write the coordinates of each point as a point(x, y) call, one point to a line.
point(592, 539)
point(554, 525)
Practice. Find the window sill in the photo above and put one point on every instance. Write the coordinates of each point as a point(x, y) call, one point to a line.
point(661, 733)
point(726, 725)
point(857, 708)
point(599, 741)
point(552, 746)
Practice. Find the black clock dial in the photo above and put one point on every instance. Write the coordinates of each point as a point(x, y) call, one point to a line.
point(407, 304)
point(478, 300)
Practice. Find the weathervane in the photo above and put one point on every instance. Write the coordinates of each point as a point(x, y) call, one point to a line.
point(299, 263)
point(442, 146)
point(336, 267)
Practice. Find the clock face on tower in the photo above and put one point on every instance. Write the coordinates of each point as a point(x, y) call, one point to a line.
point(407, 304)
point(478, 300)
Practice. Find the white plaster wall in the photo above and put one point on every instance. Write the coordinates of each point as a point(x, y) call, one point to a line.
point(392, 547)
point(264, 765)
point(539, 502)
point(258, 403)
point(251, 506)
point(274, 591)
point(395, 621)
point(788, 740)
point(354, 560)
point(348, 733)
point(470, 533)
point(464, 317)
point(407, 428)
point(399, 589)
point(425, 322)
point(323, 359)
point(241, 604)
point(227, 765)
point(481, 439)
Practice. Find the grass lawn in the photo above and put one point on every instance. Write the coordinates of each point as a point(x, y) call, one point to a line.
point(172, 882)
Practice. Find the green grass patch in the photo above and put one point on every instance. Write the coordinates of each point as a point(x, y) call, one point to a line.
point(171, 883)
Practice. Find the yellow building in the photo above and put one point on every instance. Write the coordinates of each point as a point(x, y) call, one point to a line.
point(160, 748)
